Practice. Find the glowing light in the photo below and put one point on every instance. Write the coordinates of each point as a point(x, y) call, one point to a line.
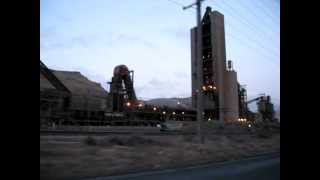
point(214, 87)
point(204, 88)
point(163, 112)
point(173, 113)
point(154, 108)
point(178, 102)
point(128, 104)
point(140, 105)
point(209, 119)
point(182, 113)
point(249, 125)
point(210, 87)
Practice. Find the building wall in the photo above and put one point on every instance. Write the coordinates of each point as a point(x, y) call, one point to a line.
point(231, 96)
point(219, 56)
point(87, 102)
point(227, 92)
point(85, 94)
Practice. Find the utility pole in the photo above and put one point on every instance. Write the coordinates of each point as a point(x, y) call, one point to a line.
point(199, 69)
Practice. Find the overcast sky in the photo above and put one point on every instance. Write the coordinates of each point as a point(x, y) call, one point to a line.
point(152, 37)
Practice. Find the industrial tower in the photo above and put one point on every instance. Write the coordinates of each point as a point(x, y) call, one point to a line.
point(220, 85)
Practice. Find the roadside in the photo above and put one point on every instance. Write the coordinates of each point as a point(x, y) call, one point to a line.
point(264, 166)
point(75, 157)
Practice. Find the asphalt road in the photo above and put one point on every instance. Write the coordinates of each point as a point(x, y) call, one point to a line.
point(266, 167)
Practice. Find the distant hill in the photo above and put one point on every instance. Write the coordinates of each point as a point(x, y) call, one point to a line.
point(171, 102)
point(186, 103)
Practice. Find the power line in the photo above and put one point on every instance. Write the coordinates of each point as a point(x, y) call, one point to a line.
point(254, 41)
point(250, 46)
point(241, 40)
point(263, 20)
point(243, 20)
point(253, 47)
point(253, 30)
point(262, 5)
point(249, 25)
point(262, 8)
point(177, 3)
point(237, 15)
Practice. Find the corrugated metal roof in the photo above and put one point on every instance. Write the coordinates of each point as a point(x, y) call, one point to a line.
point(76, 83)
point(44, 83)
point(79, 84)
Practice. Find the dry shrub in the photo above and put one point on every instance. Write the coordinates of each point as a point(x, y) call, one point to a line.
point(264, 134)
point(125, 141)
point(138, 140)
point(117, 141)
point(90, 141)
point(238, 139)
point(188, 138)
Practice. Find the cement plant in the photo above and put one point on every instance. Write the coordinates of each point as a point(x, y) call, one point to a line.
point(87, 131)
point(69, 98)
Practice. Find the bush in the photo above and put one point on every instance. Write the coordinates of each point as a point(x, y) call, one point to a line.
point(117, 141)
point(221, 126)
point(138, 140)
point(188, 138)
point(121, 141)
point(90, 141)
point(263, 134)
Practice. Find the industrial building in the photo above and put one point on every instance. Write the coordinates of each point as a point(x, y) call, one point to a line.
point(69, 92)
point(71, 97)
point(220, 86)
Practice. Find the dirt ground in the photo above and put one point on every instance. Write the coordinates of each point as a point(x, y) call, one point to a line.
point(77, 157)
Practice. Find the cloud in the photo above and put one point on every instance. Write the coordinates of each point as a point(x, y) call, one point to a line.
point(135, 40)
point(182, 75)
point(156, 88)
point(177, 33)
point(51, 43)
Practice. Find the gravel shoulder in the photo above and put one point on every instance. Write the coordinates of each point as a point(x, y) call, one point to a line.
point(77, 157)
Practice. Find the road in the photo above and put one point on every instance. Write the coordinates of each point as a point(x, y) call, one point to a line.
point(156, 132)
point(266, 167)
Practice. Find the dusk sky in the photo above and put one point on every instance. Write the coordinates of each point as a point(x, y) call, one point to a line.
point(152, 37)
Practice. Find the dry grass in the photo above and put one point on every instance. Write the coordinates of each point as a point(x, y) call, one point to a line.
point(75, 157)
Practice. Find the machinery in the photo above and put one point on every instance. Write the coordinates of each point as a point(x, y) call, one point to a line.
point(243, 108)
point(122, 95)
point(265, 108)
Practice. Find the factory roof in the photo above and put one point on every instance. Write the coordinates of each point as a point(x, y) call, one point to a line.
point(77, 83)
